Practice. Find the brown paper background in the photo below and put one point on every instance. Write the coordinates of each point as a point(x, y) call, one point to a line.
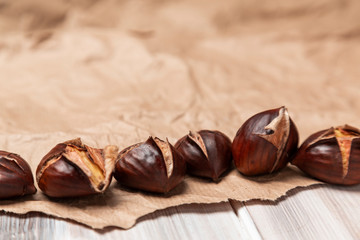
point(115, 72)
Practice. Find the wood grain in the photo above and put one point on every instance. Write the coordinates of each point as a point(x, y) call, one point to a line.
point(323, 212)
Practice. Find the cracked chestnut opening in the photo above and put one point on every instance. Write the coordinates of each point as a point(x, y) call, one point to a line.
point(86, 163)
point(196, 137)
point(344, 137)
point(277, 133)
point(167, 155)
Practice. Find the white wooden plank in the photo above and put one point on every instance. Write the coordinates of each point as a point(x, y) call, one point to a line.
point(320, 213)
point(247, 225)
point(213, 221)
point(344, 204)
point(309, 214)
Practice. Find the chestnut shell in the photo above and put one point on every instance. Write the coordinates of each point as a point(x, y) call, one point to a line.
point(58, 176)
point(253, 154)
point(143, 166)
point(320, 156)
point(16, 178)
point(209, 156)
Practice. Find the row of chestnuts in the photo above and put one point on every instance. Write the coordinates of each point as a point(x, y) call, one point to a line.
point(264, 144)
point(268, 141)
point(73, 169)
point(157, 166)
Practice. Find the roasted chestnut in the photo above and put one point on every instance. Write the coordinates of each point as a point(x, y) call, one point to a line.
point(153, 166)
point(16, 178)
point(72, 169)
point(265, 142)
point(331, 155)
point(207, 153)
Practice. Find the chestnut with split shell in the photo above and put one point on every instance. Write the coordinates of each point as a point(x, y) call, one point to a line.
point(331, 155)
point(265, 142)
point(207, 153)
point(72, 169)
point(16, 178)
point(153, 165)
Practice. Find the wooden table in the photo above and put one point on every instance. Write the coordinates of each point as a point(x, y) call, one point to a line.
point(321, 212)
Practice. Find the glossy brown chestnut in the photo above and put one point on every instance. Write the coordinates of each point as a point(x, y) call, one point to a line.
point(207, 153)
point(72, 169)
point(16, 178)
point(265, 142)
point(331, 155)
point(153, 166)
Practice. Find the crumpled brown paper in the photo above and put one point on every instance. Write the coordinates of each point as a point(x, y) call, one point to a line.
point(116, 72)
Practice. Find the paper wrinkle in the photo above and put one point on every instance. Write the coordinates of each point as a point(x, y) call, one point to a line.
point(116, 72)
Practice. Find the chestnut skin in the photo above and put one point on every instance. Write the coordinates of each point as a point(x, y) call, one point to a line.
point(331, 155)
point(16, 178)
point(153, 166)
point(67, 170)
point(265, 142)
point(207, 153)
